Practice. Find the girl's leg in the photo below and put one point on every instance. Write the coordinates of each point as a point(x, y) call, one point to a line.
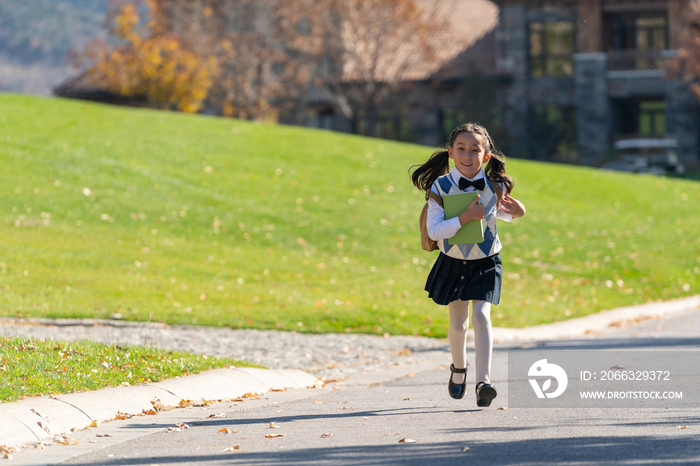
point(457, 335)
point(483, 339)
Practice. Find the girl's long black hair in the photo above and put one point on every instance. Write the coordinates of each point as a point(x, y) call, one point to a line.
point(438, 164)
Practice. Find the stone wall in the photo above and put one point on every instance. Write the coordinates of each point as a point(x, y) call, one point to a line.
point(593, 122)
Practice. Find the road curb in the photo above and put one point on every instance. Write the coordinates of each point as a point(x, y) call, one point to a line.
point(38, 418)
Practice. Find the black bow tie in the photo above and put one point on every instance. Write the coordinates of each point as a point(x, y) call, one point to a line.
point(479, 184)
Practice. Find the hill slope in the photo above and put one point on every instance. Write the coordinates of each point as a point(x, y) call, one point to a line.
point(193, 219)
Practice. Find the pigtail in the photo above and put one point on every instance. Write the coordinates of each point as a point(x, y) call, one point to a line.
point(496, 172)
point(425, 175)
point(495, 169)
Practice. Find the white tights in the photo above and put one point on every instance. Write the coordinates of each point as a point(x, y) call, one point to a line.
point(483, 338)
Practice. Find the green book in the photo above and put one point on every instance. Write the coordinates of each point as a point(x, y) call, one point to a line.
point(471, 232)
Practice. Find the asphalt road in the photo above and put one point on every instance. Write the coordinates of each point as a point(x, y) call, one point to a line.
point(403, 415)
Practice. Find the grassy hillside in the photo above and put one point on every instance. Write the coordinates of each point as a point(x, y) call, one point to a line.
point(212, 221)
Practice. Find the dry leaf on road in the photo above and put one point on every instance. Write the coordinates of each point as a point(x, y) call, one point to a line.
point(408, 440)
point(235, 448)
point(326, 435)
point(104, 435)
point(178, 427)
point(65, 440)
point(226, 430)
point(273, 425)
point(274, 435)
point(217, 415)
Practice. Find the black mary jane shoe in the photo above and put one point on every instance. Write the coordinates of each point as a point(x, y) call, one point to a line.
point(485, 393)
point(457, 390)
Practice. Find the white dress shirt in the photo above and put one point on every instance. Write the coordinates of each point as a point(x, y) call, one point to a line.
point(438, 227)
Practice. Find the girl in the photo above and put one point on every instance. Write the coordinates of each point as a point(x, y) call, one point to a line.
point(468, 272)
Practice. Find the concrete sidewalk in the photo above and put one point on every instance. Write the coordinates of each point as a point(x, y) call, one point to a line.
point(41, 418)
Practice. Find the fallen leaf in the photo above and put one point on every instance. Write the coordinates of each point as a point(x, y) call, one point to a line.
point(94, 423)
point(273, 425)
point(326, 435)
point(217, 415)
point(346, 407)
point(319, 401)
point(178, 427)
point(684, 427)
point(185, 403)
point(65, 440)
point(502, 408)
point(408, 440)
point(466, 449)
point(226, 430)
point(406, 399)
point(236, 448)
point(274, 435)
point(150, 412)
point(45, 427)
point(158, 406)
point(277, 389)
point(410, 375)
point(104, 435)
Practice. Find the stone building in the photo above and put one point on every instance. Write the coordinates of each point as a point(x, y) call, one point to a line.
point(582, 74)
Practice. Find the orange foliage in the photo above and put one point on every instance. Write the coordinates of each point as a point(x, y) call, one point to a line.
point(149, 63)
point(687, 64)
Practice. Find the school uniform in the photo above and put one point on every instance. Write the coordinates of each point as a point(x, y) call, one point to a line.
point(465, 271)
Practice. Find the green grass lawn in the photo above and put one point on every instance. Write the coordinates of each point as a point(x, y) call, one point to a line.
point(33, 367)
point(212, 221)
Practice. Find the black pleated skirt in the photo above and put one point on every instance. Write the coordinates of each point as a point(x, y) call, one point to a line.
point(456, 279)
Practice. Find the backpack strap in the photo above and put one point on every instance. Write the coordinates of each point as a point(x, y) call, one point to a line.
point(429, 194)
point(498, 189)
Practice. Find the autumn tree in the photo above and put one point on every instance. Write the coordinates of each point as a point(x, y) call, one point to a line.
point(687, 63)
point(382, 41)
point(150, 61)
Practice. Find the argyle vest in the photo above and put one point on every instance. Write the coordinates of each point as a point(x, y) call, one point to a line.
point(491, 244)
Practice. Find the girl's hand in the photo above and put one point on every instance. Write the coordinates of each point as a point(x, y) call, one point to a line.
point(513, 207)
point(473, 212)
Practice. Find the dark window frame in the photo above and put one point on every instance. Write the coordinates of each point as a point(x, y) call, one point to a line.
point(545, 57)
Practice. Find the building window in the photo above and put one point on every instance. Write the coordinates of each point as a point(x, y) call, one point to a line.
point(652, 118)
point(552, 46)
point(639, 118)
point(638, 32)
point(635, 41)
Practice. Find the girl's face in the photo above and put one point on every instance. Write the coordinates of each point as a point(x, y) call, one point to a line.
point(469, 153)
